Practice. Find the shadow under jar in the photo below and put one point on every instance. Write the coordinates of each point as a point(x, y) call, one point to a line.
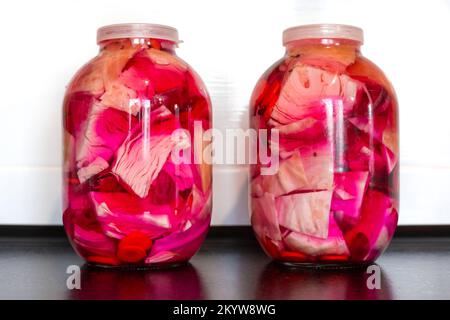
point(332, 119)
point(127, 200)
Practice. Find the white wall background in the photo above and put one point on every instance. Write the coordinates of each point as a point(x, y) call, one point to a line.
point(230, 43)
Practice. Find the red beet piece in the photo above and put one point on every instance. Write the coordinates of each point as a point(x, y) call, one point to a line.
point(133, 247)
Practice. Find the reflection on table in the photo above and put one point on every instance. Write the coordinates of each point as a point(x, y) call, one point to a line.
point(281, 282)
point(183, 283)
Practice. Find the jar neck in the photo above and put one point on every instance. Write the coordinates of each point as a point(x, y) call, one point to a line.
point(144, 43)
point(323, 47)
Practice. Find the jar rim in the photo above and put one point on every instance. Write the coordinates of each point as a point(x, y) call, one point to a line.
point(137, 30)
point(323, 30)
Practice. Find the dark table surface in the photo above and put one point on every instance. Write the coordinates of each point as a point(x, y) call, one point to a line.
point(225, 268)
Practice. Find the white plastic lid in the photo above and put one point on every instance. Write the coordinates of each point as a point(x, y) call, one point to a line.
point(137, 30)
point(319, 31)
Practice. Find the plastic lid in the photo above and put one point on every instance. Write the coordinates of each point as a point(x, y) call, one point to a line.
point(319, 31)
point(137, 30)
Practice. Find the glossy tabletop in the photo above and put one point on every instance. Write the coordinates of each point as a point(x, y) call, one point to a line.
point(227, 267)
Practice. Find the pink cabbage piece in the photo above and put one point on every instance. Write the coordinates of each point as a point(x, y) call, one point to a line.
point(119, 97)
point(349, 188)
point(372, 118)
point(120, 213)
point(163, 257)
point(309, 168)
point(319, 109)
point(290, 176)
point(306, 85)
point(374, 126)
point(96, 166)
point(374, 114)
point(142, 72)
point(359, 150)
point(318, 162)
point(139, 78)
point(366, 154)
point(391, 222)
point(132, 79)
point(104, 131)
point(163, 58)
point(365, 231)
point(264, 217)
point(334, 231)
point(105, 78)
point(141, 157)
point(372, 94)
point(160, 113)
point(200, 207)
point(306, 213)
point(184, 242)
point(301, 133)
point(181, 173)
point(386, 234)
point(93, 241)
point(315, 246)
point(324, 124)
point(382, 241)
point(101, 72)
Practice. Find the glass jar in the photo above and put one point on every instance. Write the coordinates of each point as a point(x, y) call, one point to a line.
point(136, 191)
point(332, 120)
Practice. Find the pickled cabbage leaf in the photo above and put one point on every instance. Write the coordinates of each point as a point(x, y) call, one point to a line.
point(121, 213)
point(315, 246)
point(184, 243)
point(306, 213)
point(264, 217)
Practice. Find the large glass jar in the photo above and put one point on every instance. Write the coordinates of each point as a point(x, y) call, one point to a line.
point(136, 189)
point(333, 123)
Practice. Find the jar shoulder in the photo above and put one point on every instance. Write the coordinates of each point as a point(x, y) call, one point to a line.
point(108, 67)
point(364, 67)
point(308, 73)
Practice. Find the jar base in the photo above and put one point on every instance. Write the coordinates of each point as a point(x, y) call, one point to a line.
point(130, 267)
point(324, 266)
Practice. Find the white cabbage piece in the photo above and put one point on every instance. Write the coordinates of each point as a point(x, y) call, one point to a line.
point(306, 213)
point(315, 246)
point(140, 159)
point(264, 217)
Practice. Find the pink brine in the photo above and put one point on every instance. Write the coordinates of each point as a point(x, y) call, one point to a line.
point(334, 199)
point(126, 203)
